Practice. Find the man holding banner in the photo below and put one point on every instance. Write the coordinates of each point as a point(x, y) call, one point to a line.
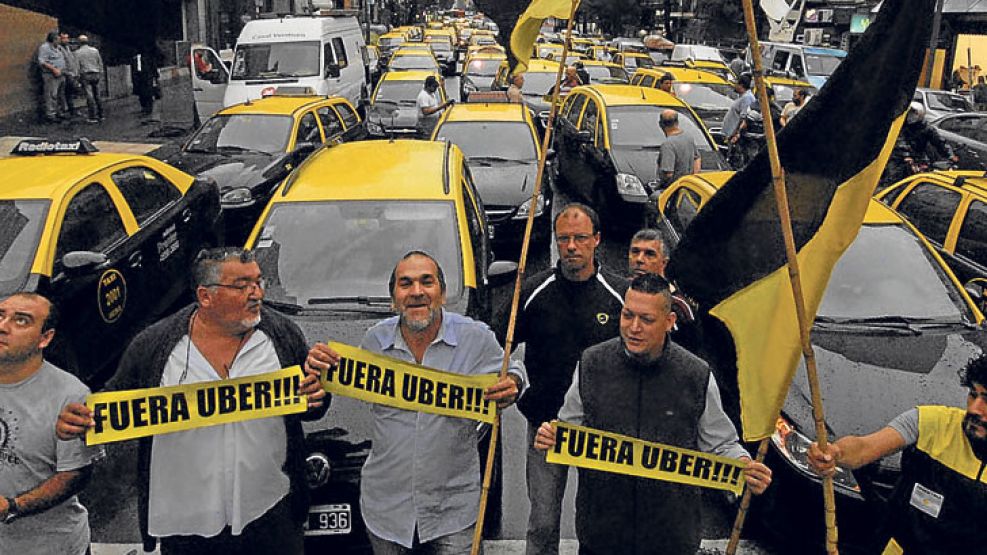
point(237, 487)
point(39, 475)
point(645, 386)
point(420, 487)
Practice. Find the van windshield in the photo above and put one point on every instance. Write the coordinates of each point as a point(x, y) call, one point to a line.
point(822, 65)
point(277, 60)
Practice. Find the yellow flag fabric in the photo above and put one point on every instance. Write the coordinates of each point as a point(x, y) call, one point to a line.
point(619, 454)
point(134, 413)
point(384, 380)
point(529, 24)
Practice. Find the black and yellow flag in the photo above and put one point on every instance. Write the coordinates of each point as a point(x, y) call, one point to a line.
point(732, 257)
point(529, 24)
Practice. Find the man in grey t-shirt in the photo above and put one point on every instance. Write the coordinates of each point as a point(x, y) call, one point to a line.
point(678, 155)
point(40, 475)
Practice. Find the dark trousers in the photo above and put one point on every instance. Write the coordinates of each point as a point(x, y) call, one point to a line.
point(274, 533)
point(90, 86)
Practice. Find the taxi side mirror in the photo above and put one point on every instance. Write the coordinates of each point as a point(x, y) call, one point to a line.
point(332, 70)
point(79, 262)
point(501, 272)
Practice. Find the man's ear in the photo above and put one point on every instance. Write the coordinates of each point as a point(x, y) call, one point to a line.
point(46, 339)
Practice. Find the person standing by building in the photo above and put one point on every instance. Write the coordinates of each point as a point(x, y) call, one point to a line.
point(563, 311)
point(40, 475)
point(679, 405)
point(72, 86)
point(420, 486)
point(144, 75)
point(231, 488)
point(51, 60)
point(429, 108)
point(91, 70)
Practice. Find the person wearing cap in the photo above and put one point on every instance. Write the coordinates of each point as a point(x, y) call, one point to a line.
point(90, 68)
point(429, 108)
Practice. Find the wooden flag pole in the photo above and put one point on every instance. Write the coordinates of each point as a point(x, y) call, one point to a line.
point(515, 300)
point(784, 215)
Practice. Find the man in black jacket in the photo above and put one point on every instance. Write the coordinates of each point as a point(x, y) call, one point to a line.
point(231, 488)
point(563, 311)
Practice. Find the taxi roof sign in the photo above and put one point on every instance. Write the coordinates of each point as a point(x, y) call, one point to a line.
point(36, 147)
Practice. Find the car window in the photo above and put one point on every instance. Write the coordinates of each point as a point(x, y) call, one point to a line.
point(648, 81)
point(91, 223)
point(797, 68)
point(340, 49)
point(780, 61)
point(476, 231)
point(972, 239)
point(308, 130)
point(590, 115)
point(21, 224)
point(636, 79)
point(930, 208)
point(681, 209)
point(575, 107)
point(349, 116)
point(600, 137)
point(145, 190)
point(965, 126)
point(331, 123)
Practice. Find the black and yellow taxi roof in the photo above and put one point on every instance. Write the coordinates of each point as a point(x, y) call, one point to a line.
point(282, 104)
point(681, 74)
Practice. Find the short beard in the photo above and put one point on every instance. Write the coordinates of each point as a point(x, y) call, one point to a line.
point(20, 357)
point(979, 444)
point(250, 323)
point(422, 324)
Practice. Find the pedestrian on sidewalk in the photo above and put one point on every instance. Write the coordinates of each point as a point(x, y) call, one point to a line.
point(73, 87)
point(51, 60)
point(91, 69)
point(144, 75)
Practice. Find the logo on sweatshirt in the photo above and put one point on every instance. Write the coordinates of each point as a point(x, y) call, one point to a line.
point(602, 318)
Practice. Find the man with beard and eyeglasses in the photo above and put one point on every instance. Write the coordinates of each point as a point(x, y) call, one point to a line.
point(563, 311)
point(420, 486)
point(937, 506)
point(40, 476)
point(235, 488)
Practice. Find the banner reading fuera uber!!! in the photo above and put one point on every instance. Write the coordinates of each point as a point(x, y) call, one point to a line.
point(619, 454)
point(121, 415)
point(395, 383)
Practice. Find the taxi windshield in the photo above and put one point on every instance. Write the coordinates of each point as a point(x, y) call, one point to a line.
point(482, 67)
point(400, 92)
point(388, 42)
point(706, 97)
point(491, 141)
point(368, 238)
point(636, 127)
point(883, 266)
point(538, 83)
point(949, 102)
point(607, 74)
point(414, 62)
point(238, 133)
point(276, 59)
point(21, 223)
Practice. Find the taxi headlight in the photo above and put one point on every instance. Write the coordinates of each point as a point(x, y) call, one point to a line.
point(630, 188)
point(525, 208)
point(318, 469)
point(237, 197)
point(794, 447)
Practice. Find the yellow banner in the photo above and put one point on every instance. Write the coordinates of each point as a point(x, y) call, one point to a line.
point(388, 381)
point(135, 413)
point(619, 454)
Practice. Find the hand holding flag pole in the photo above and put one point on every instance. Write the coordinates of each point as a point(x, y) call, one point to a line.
point(522, 41)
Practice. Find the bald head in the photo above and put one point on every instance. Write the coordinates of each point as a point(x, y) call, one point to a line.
point(669, 119)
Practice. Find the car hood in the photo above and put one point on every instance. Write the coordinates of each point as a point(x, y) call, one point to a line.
point(642, 163)
point(537, 103)
point(244, 170)
point(869, 378)
point(504, 183)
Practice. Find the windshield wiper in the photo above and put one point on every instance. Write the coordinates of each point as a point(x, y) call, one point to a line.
point(361, 299)
point(200, 150)
point(491, 159)
point(235, 148)
point(282, 306)
point(915, 325)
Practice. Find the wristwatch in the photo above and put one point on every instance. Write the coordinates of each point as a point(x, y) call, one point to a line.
point(13, 511)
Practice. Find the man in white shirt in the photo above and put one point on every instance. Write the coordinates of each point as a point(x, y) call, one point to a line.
point(429, 108)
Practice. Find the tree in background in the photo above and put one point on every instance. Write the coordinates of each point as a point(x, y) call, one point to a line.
point(504, 13)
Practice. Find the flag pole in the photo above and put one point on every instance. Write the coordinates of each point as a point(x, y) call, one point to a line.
point(516, 299)
point(784, 215)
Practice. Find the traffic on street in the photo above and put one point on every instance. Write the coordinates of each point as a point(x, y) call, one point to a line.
point(426, 277)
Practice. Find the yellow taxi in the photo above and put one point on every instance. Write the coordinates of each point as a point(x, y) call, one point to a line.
point(538, 82)
point(784, 88)
point(709, 95)
point(547, 51)
point(443, 45)
point(712, 66)
point(501, 142)
point(949, 208)
point(393, 108)
point(412, 32)
point(479, 71)
point(486, 49)
point(406, 59)
point(605, 73)
point(601, 52)
point(581, 44)
point(894, 324)
point(631, 61)
point(366, 224)
point(389, 42)
point(607, 140)
point(249, 148)
point(107, 237)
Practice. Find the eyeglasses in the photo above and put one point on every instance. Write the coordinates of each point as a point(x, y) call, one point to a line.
point(248, 286)
point(580, 239)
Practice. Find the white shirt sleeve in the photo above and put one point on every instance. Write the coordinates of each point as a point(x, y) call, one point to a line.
point(716, 432)
point(572, 407)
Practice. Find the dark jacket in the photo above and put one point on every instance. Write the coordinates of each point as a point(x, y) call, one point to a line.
point(660, 401)
point(143, 364)
point(557, 320)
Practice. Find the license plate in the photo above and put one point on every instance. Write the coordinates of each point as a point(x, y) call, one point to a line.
point(325, 520)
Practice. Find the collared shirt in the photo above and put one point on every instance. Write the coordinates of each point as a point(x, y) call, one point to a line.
point(424, 469)
point(71, 62)
point(716, 432)
point(52, 55)
point(89, 59)
point(737, 112)
point(205, 479)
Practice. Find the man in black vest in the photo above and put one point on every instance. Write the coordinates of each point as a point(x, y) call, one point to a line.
point(938, 505)
point(645, 386)
point(563, 311)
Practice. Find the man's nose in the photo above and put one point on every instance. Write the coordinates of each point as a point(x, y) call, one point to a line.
point(979, 406)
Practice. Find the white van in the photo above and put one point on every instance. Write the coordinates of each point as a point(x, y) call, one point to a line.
point(813, 64)
point(696, 53)
point(325, 54)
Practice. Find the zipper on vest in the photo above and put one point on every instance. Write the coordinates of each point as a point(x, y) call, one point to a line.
point(980, 473)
